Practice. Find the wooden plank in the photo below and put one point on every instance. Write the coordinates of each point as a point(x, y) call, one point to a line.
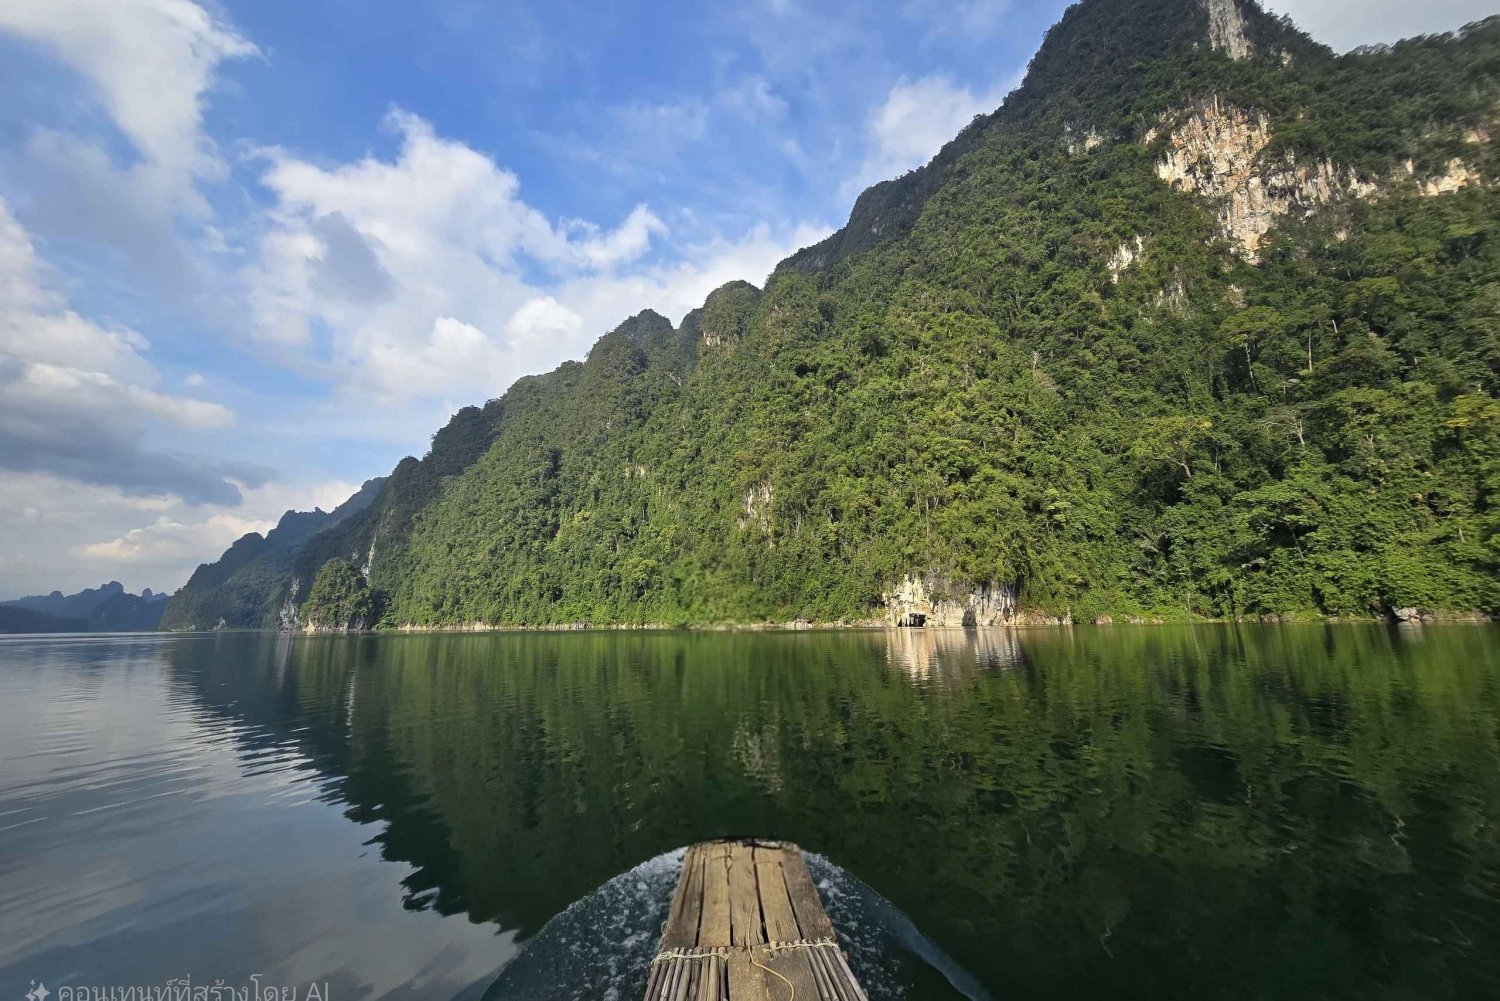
point(811, 918)
point(714, 926)
point(687, 904)
point(793, 966)
point(775, 903)
point(768, 852)
point(744, 901)
point(746, 982)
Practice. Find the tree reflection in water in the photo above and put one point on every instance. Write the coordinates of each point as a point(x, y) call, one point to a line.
point(1164, 812)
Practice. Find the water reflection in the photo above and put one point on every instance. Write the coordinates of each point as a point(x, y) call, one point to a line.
point(1065, 812)
point(951, 654)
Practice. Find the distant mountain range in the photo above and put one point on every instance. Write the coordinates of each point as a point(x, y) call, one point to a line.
point(245, 587)
point(107, 608)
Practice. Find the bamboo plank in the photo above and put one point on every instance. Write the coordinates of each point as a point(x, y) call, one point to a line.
point(654, 982)
point(856, 990)
point(820, 975)
point(683, 990)
point(708, 983)
point(838, 988)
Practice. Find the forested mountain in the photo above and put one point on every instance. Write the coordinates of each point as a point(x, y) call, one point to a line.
point(107, 608)
point(1204, 321)
point(244, 588)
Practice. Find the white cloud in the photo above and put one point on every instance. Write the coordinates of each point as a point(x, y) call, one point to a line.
point(76, 397)
point(476, 287)
point(917, 118)
point(167, 541)
point(149, 61)
point(1345, 24)
point(541, 318)
point(674, 289)
point(149, 64)
point(626, 244)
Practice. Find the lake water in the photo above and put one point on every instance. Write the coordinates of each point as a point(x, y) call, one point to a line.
point(1135, 812)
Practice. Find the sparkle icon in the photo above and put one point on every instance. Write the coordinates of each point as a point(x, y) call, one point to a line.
point(38, 992)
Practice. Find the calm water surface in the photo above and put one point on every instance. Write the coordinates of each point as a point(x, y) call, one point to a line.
point(1133, 812)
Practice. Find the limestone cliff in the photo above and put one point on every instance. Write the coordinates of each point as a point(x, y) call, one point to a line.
point(1226, 28)
point(934, 599)
point(1219, 150)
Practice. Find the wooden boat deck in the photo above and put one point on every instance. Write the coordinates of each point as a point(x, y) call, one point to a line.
point(746, 924)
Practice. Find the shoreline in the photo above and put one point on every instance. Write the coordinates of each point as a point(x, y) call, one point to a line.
point(881, 625)
point(1450, 619)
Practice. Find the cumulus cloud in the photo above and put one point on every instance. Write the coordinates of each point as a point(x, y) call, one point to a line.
point(1345, 24)
point(428, 275)
point(76, 397)
point(149, 61)
point(914, 121)
point(149, 65)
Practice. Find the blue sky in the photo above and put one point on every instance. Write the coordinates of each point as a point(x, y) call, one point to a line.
point(252, 253)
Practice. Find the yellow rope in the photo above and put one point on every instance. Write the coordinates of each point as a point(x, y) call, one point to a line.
point(789, 985)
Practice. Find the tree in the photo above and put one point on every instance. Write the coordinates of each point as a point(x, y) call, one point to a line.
point(339, 600)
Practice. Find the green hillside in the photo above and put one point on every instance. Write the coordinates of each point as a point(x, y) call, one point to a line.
point(1205, 321)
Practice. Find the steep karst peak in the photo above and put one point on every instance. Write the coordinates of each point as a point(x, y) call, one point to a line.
point(643, 324)
point(1227, 30)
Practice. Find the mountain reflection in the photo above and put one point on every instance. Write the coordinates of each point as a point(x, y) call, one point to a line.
point(1066, 812)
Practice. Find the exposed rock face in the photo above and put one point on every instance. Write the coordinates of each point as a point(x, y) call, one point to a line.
point(1226, 29)
point(757, 509)
point(1173, 297)
point(1457, 175)
point(1082, 142)
point(933, 600)
point(1216, 151)
point(1125, 257)
point(287, 617)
